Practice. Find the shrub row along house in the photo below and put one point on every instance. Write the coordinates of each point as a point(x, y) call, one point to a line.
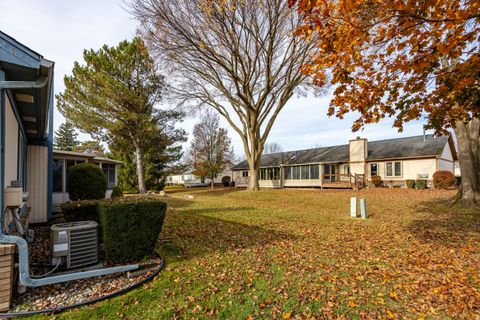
point(353, 164)
point(28, 161)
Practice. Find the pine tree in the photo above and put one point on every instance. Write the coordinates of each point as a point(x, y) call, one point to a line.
point(66, 137)
point(115, 95)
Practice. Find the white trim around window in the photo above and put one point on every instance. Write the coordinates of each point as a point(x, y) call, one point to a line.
point(393, 169)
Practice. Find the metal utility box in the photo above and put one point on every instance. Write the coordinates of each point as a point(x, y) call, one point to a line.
point(13, 197)
point(75, 243)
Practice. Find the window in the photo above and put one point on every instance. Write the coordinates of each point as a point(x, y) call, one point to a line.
point(287, 173)
point(269, 174)
point(109, 171)
point(296, 172)
point(373, 169)
point(57, 175)
point(244, 173)
point(346, 169)
point(398, 169)
point(314, 172)
point(305, 172)
point(393, 169)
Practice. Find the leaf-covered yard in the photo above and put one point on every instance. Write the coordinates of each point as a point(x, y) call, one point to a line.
point(234, 254)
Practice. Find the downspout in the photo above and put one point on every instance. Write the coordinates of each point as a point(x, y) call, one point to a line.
point(24, 268)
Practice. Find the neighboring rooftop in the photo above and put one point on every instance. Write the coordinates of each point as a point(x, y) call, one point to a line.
point(409, 147)
point(85, 155)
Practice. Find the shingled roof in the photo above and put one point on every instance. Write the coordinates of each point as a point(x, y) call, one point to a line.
point(409, 147)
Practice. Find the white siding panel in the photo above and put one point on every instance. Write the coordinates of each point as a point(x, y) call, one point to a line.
point(447, 153)
point(446, 165)
point(11, 144)
point(37, 183)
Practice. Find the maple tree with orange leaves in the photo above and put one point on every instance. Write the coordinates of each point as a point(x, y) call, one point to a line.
point(404, 59)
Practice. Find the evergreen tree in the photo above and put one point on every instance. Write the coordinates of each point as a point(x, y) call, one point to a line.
point(66, 137)
point(90, 146)
point(113, 96)
point(162, 152)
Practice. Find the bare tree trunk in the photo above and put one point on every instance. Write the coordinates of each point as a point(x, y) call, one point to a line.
point(254, 165)
point(468, 141)
point(140, 171)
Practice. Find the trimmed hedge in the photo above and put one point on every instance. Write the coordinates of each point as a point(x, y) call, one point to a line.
point(410, 183)
point(443, 179)
point(130, 227)
point(377, 181)
point(86, 181)
point(421, 184)
point(81, 210)
point(117, 192)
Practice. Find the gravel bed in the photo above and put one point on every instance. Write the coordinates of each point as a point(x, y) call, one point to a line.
point(73, 292)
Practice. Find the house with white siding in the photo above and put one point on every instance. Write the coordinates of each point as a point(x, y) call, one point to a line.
point(353, 164)
point(32, 174)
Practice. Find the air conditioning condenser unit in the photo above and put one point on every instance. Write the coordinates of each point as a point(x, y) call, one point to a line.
point(74, 243)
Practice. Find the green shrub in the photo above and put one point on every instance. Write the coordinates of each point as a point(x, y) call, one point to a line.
point(130, 227)
point(410, 183)
point(81, 210)
point(377, 181)
point(226, 181)
point(443, 179)
point(421, 184)
point(86, 181)
point(117, 192)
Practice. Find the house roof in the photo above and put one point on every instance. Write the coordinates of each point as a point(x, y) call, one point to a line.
point(83, 155)
point(409, 147)
point(29, 78)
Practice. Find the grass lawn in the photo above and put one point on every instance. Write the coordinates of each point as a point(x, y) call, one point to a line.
point(233, 254)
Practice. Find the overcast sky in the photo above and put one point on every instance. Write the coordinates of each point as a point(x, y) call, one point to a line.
point(60, 30)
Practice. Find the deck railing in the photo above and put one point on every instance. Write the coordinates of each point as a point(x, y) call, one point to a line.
point(356, 181)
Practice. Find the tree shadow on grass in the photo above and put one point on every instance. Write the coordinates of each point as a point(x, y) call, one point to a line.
point(445, 223)
point(195, 233)
point(205, 191)
point(217, 191)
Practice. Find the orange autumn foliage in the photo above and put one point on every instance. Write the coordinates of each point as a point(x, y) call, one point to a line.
point(406, 59)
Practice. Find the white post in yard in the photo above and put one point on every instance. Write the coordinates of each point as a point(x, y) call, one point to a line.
point(363, 208)
point(353, 207)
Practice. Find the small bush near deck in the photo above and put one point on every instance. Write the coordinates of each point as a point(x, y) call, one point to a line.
point(443, 179)
point(421, 184)
point(130, 227)
point(377, 181)
point(226, 181)
point(410, 183)
point(86, 181)
point(81, 210)
point(117, 192)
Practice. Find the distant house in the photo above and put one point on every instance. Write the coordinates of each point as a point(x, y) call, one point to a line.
point(394, 160)
point(189, 179)
point(64, 160)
